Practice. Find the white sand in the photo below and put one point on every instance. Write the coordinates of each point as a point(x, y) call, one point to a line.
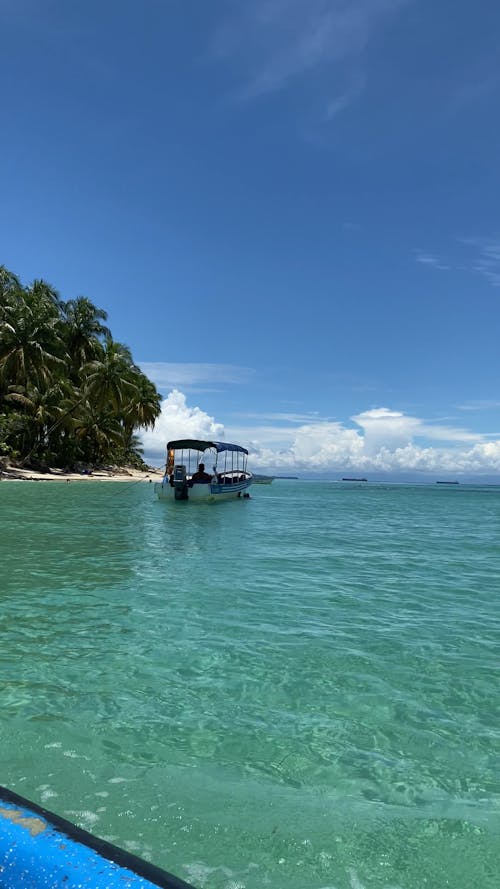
point(99, 475)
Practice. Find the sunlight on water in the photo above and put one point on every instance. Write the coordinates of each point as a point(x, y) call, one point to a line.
point(295, 690)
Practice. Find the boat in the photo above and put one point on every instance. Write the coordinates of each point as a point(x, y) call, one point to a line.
point(186, 479)
point(354, 479)
point(39, 849)
point(263, 479)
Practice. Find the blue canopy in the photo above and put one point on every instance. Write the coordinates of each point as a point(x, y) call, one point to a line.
point(196, 445)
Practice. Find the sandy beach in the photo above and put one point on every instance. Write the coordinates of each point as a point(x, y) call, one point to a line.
point(115, 474)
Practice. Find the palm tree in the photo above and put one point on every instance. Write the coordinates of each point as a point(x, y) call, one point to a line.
point(141, 409)
point(31, 347)
point(134, 451)
point(42, 291)
point(144, 404)
point(88, 412)
point(99, 433)
point(109, 380)
point(10, 285)
point(10, 297)
point(83, 330)
point(39, 408)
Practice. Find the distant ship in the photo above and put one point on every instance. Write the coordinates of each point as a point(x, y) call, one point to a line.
point(354, 479)
point(447, 483)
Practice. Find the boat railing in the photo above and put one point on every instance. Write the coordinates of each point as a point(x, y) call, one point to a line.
point(231, 477)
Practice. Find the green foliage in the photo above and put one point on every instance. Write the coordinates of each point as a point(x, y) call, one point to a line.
point(68, 392)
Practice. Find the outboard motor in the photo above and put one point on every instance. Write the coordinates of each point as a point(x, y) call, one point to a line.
point(180, 483)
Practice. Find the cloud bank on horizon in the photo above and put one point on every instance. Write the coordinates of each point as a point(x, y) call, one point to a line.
point(382, 440)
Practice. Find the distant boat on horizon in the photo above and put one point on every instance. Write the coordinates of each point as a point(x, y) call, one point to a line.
point(447, 483)
point(354, 479)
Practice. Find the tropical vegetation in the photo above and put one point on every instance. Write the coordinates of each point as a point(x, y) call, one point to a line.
point(69, 393)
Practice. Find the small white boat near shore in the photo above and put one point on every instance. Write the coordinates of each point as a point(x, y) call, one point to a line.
point(204, 471)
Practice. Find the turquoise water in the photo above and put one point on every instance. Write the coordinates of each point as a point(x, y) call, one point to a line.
point(298, 690)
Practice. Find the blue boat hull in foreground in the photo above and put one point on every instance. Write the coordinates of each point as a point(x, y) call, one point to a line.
point(39, 850)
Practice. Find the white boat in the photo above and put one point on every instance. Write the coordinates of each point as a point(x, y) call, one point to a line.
point(186, 479)
point(263, 479)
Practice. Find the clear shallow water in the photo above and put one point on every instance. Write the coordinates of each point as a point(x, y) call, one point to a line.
point(299, 690)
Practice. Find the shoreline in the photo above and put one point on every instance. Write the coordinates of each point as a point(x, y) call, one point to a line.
point(125, 474)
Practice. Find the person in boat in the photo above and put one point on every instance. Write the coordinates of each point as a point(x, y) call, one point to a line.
point(201, 476)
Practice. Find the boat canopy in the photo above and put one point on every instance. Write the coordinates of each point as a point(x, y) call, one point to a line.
point(195, 444)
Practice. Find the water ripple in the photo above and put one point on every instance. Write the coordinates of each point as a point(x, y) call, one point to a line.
point(299, 689)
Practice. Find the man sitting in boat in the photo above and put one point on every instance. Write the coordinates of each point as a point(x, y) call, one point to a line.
point(201, 476)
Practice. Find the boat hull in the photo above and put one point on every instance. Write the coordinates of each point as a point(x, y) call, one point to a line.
point(203, 493)
point(39, 850)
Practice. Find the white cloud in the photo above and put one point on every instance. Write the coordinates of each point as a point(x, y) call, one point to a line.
point(343, 100)
point(429, 260)
point(483, 259)
point(278, 42)
point(385, 441)
point(481, 404)
point(487, 259)
point(168, 375)
point(385, 428)
point(177, 420)
point(395, 429)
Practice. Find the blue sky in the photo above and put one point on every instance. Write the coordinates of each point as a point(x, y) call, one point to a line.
point(289, 209)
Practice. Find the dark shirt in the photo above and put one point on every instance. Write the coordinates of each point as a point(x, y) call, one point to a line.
point(201, 477)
